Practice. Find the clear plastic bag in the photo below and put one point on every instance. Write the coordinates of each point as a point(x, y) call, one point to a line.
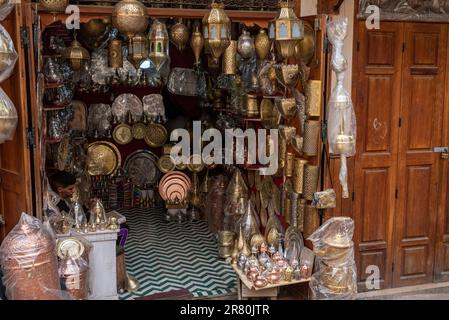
point(326, 199)
point(214, 204)
point(8, 54)
point(332, 244)
point(29, 262)
point(8, 117)
point(306, 263)
point(341, 120)
point(6, 8)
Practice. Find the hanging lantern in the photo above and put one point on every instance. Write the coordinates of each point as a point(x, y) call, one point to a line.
point(158, 37)
point(138, 50)
point(130, 17)
point(246, 47)
point(217, 30)
point(76, 55)
point(197, 43)
point(54, 6)
point(179, 34)
point(286, 30)
point(115, 54)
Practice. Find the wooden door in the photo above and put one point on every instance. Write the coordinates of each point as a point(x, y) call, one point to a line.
point(15, 168)
point(442, 242)
point(422, 110)
point(379, 61)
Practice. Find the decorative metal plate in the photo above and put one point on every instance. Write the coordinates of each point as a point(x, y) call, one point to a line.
point(124, 103)
point(166, 164)
point(122, 134)
point(141, 167)
point(70, 247)
point(156, 135)
point(103, 158)
point(139, 131)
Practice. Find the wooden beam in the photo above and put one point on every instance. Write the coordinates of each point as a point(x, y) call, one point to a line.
point(87, 13)
point(329, 6)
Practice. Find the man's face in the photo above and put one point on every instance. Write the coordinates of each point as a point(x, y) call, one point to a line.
point(66, 192)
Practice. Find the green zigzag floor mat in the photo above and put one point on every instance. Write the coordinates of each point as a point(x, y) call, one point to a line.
point(170, 256)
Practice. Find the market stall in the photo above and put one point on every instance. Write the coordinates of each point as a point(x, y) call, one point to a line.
point(114, 92)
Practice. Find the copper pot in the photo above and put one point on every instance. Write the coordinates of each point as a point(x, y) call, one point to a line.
point(30, 265)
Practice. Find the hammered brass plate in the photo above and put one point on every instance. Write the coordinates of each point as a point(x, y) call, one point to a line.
point(156, 135)
point(166, 164)
point(122, 134)
point(139, 131)
point(103, 158)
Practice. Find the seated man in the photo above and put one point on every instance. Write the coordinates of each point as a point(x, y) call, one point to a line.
point(64, 185)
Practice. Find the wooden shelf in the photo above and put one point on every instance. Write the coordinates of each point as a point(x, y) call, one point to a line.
point(54, 85)
point(55, 107)
point(98, 12)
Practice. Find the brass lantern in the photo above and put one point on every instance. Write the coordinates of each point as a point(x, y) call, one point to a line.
point(197, 44)
point(158, 38)
point(130, 17)
point(54, 6)
point(76, 55)
point(286, 30)
point(180, 35)
point(217, 30)
point(138, 50)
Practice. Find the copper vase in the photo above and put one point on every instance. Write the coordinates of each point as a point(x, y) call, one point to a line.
point(230, 59)
point(298, 175)
point(115, 54)
point(313, 98)
point(311, 220)
point(262, 44)
point(300, 211)
point(311, 133)
point(197, 44)
point(311, 175)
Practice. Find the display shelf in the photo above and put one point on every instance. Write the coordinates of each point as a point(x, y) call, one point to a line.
point(55, 107)
point(54, 85)
point(251, 286)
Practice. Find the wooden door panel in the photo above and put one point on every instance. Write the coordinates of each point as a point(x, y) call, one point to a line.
point(441, 272)
point(379, 60)
point(422, 107)
point(15, 185)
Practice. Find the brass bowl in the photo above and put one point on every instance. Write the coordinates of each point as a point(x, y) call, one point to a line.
point(286, 107)
point(288, 74)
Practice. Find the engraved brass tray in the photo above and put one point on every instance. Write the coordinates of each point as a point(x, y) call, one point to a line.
point(139, 131)
point(142, 167)
point(156, 135)
point(122, 134)
point(103, 158)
